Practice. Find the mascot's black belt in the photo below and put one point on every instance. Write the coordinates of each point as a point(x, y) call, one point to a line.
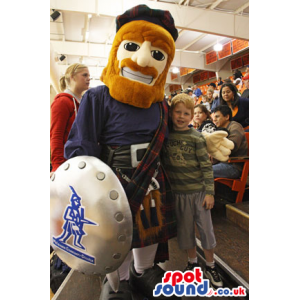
point(127, 156)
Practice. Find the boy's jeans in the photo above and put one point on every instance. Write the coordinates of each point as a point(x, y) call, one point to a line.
point(226, 171)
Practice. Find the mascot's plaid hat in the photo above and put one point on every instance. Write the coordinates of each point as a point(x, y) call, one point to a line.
point(139, 24)
point(143, 12)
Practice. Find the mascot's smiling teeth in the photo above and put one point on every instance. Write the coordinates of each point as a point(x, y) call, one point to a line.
point(136, 75)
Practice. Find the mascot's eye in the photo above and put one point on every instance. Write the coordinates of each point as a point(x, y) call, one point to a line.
point(157, 55)
point(131, 47)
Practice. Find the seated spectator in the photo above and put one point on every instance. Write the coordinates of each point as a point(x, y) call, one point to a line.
point(205, 102)
point(197, 91)
point(220, 82)
point(237, 79)
point(216, 98)
point(216, 91)
point(239, 106)
point(246, 84)
point(237, 74)
point(209, 94)
point(236, 134)
point(215, 95)
point(216, 101)
point(189, 92)
point(212, 84)
point(202, 120)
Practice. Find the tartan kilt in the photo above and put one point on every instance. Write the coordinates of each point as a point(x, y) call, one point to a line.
point(169, 229)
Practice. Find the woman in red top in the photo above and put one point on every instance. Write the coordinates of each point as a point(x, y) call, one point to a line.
point(64, 109)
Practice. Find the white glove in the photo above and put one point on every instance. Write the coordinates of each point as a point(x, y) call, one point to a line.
point(218, 146)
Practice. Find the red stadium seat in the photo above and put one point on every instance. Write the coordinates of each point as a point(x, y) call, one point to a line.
point(238, 185)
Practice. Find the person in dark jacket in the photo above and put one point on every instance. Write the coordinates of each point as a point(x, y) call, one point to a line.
point(220, 82)
point(238, 105)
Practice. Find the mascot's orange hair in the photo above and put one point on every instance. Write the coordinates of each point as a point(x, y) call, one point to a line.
point(133, 92)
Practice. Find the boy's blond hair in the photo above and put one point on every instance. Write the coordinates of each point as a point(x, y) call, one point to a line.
point(186, 100)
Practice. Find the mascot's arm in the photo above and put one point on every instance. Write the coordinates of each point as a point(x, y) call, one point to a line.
point(85, 132)
point(218, 146)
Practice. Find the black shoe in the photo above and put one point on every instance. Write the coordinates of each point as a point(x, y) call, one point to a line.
point(190, 267)
point(145, 283)
point(214, 277)
point(124, 292)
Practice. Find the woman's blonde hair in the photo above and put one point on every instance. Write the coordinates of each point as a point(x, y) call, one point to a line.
point(72, 70)
point(210, 90)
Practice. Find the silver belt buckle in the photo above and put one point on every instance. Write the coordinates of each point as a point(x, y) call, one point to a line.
point(133, 150)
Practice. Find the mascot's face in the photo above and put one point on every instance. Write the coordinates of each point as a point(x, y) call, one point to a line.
point(139, 60)
point(148, 61)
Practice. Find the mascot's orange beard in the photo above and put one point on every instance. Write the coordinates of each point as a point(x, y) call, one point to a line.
point(127, 62)
point(132, 92)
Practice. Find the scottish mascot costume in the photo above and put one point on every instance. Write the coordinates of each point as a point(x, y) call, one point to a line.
point(111, 205)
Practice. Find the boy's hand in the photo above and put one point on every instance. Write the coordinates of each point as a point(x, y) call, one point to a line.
point(209, 201)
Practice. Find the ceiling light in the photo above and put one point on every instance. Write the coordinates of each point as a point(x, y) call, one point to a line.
point(218, 47)
point(55, 15)
point(175, 70)
point(90, 15)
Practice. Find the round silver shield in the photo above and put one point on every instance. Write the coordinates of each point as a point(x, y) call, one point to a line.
point(90, 217)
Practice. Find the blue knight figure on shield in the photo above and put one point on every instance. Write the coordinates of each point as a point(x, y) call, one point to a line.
point(74, 221)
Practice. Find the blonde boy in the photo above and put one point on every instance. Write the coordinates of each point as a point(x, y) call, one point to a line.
point(190, 172)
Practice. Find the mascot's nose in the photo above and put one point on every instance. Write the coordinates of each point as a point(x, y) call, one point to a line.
point(143, 56)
